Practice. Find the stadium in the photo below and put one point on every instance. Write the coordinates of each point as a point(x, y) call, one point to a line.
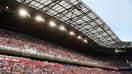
point(59, 37)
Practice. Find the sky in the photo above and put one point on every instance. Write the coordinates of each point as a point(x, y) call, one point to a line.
point(117, 14)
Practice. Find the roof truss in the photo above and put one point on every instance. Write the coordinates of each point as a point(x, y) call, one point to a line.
point(79, 16)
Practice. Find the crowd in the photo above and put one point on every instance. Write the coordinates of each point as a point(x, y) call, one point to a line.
point(17, 65)
point(26, 44)
point(23, 42)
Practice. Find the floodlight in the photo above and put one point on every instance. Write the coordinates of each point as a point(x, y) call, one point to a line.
point(38, 18)
point(24, 13)
point(52, 24)
point(85, 40)
point(71, 33)
point(62, 28)
point(7, 7)
point(79, 37)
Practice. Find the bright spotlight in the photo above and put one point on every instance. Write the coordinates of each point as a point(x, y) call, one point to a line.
point(71, 33)
point(7, 7)
point(52, 24)
point(79, 37)
point(62, 28)
point(85, 40)
point(23, 13)
point(38, 18)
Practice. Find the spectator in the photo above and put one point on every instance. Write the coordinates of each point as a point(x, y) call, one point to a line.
point(33, 45)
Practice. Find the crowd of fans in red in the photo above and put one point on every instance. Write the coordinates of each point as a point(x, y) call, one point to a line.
point(15, 65)
point(11, 39)
point(24, 42)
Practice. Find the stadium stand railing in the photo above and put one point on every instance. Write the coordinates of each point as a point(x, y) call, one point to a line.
point(18, 65)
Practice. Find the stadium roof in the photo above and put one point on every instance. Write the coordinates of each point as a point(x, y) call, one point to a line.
point(78, 15)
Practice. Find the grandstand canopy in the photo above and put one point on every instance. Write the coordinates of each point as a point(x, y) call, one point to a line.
point(78, 15)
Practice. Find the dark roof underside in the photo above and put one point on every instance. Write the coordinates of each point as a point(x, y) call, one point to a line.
point(81, 17)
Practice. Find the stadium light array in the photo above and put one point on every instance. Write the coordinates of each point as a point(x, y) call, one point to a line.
point(38, 18)
point(24, 13)
point(71, 33)
point(62, 28)
point(52, 24)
